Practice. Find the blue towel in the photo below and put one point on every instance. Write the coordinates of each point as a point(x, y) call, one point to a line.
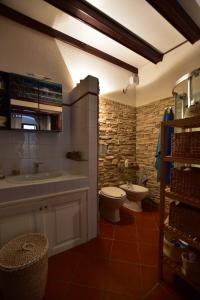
point(168, 115)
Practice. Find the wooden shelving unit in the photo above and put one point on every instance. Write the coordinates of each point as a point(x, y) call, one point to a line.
point(194, 242)
point(192, 122)
point(182, 198)
point(177, 270)
point(186, 160)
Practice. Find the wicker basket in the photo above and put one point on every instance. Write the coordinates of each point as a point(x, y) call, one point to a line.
point(186, 144)
point(186, 182)
point(23, 267)
point(191, 268)
point(185, 219)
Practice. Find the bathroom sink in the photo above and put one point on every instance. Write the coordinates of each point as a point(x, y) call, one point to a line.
point(34, 177)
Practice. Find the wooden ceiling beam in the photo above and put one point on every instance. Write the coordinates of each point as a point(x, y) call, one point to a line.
point(36, 25)
point(174, 13)
point(95, 18)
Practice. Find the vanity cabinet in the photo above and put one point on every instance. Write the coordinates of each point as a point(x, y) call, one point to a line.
point(62, 217)
point(20, 218)
point(66, 221)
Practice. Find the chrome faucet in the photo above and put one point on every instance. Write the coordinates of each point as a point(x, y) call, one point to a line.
point(37, 166)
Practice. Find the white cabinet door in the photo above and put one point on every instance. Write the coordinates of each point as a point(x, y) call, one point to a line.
point(66, 221)
point(19, 219)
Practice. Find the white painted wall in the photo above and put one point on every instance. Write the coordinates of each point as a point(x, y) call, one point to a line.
point(157, 81)
point(20, 149)
point(112, 79)
point(24, 50)
point(84, 133)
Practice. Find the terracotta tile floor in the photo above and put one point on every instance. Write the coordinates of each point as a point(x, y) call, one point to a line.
point(121, 264)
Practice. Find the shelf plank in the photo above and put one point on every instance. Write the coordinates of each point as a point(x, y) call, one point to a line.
point(187, 200)
point(184, 160)
point(192, 241)
point(177, 270)
point(193, 122)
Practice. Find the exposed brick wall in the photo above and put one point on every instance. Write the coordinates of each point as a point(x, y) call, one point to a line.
point(117, 129)
point(147, 130)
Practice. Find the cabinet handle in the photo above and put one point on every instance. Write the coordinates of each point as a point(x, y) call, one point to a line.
point(46, 206)
point(40, 208)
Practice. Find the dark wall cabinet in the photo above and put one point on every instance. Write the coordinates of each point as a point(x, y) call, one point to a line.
point(28, 103)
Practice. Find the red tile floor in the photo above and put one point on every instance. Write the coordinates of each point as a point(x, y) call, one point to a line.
point(121, 264)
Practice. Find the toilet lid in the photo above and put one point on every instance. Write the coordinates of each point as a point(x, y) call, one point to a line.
point(114, 192)
point(139, 188)
point(134, 187)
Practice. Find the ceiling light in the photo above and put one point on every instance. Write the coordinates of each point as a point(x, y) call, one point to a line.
point(198, 2)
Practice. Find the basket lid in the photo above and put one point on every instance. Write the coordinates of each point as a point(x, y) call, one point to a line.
point(23, 251)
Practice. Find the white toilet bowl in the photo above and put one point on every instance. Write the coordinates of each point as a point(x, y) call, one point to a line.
point(134, 196)
point(111, 199)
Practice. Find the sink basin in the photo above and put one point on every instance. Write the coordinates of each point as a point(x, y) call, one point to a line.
point(34, 177)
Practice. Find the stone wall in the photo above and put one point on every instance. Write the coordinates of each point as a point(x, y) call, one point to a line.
point(117, 130)
point(147, 130)
point(130, 133)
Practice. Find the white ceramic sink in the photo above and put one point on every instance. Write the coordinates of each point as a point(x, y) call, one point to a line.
point(34, 177)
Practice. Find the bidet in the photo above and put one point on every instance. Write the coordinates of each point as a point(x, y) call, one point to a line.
point(134, 196)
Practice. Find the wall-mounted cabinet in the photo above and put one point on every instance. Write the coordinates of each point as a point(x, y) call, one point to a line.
point(30, 104)
point(187, 95)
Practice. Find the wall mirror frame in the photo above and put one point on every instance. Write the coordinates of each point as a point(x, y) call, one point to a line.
point(187, 94)
point(28, 103)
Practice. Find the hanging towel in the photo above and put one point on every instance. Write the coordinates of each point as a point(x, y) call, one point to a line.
point(168, 115)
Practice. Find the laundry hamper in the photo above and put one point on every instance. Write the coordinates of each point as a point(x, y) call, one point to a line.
point(23, 267)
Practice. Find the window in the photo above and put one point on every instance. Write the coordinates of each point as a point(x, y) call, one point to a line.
point(28, 126)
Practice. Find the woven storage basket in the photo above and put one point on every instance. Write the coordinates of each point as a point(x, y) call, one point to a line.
point(185, 219)
point(186, 182)
point(23, 267)
point(191, 268)
point(186, 144)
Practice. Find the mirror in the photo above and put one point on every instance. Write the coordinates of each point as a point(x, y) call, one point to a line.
point(187, 95)
point(28, 103)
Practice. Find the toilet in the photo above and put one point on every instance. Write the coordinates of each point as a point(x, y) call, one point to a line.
point(134, 196)
point(111, 199)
